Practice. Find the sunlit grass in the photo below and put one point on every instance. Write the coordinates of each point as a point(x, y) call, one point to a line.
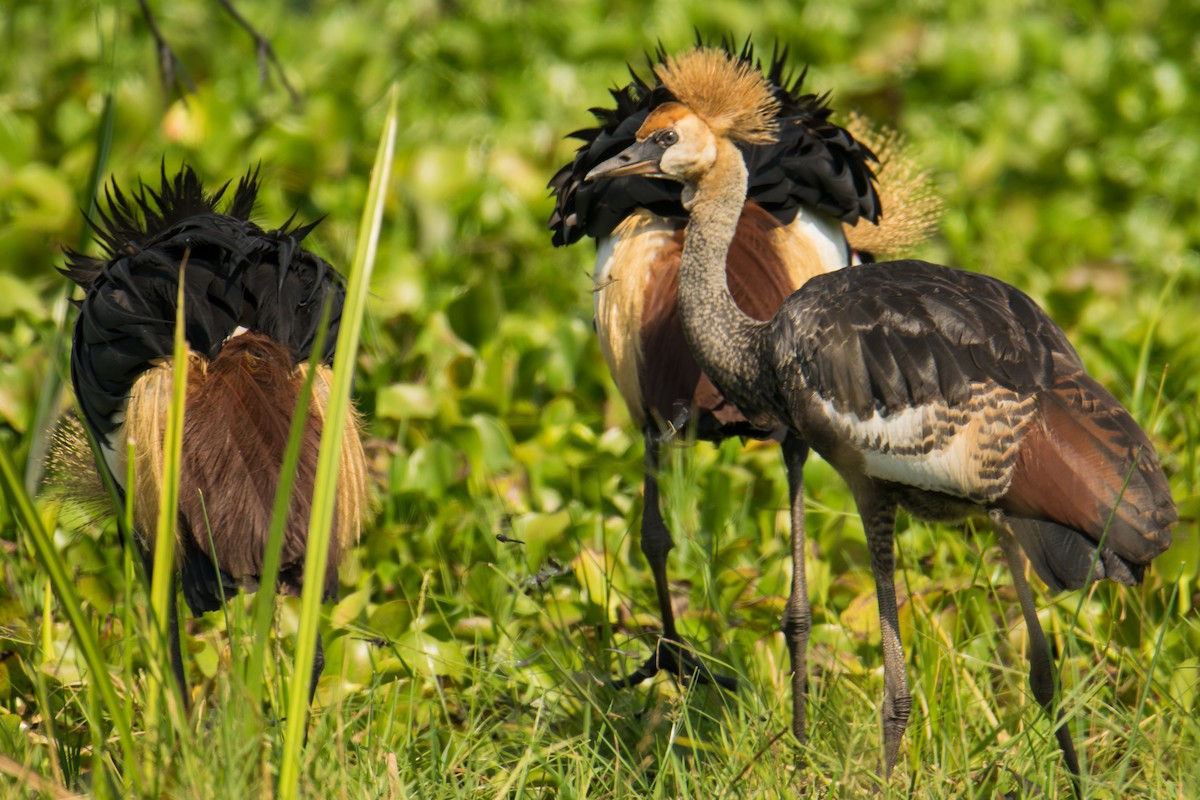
point(463, 665)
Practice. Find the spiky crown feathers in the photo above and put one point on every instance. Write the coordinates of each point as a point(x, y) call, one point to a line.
point(729, 94)
point(138, 221)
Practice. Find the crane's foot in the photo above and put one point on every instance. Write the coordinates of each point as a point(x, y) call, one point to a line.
point(679, 661)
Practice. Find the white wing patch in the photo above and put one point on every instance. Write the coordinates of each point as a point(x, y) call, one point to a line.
point(827, 237)
point(811, 245)
point(967, 451)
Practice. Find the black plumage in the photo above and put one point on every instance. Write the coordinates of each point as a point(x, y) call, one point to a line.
point(253, 304)
point(814, 163)
point(237, 275)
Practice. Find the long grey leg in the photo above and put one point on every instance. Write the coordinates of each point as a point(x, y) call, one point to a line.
point(1041, 665)
point(797, 616)
point(669, 654)
point(879, 520)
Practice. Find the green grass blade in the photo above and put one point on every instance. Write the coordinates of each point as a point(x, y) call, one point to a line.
point(264, 600)
point(162, 582)
point(327, 464)
point(52, 384)
point(47, 555)
point(1143, 362)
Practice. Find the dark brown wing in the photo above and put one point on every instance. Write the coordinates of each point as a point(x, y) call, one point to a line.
point(896, 335)
point(1088, 466)
point(956, 383)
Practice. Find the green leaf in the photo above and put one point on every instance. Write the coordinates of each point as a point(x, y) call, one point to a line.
point(430, 656)
point(600, 580)
point(349, 609)
point(406, 401)
point(391, 619)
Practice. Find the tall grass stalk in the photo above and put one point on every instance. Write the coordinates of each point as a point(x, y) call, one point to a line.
point(320, 523)
point(162, 581)
point(48, 396)
point(38, 539)
point(264, 600)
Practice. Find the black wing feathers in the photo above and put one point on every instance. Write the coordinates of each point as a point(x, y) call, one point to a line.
point(814, 163)
point(237, 275)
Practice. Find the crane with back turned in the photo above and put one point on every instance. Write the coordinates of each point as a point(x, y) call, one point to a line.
point(253, 302)
point(944, 392)
point(806, 188)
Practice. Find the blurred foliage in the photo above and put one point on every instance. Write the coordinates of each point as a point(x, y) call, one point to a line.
point(1066, 145)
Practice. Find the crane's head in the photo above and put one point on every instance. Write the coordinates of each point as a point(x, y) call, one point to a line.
point(716, 97)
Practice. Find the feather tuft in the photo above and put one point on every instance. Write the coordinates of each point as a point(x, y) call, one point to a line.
point(731, 95)
point(912, 207)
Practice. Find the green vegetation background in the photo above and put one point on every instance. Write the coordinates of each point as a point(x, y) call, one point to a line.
point(1065, 141)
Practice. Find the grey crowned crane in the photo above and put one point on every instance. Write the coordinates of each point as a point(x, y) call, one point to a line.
point(946, 393)
point(805, 188)
point(253, 301)
point(814, 178)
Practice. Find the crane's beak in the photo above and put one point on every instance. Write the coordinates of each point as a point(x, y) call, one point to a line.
point(640, 158)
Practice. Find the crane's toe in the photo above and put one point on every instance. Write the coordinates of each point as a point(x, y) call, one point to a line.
point(678, 661)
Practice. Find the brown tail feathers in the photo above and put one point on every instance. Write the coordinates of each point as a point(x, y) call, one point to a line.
point(1088, 476)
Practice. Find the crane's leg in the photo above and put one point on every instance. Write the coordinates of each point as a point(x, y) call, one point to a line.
point(797, 616)
point(317, 668)
point(1041, 665)
point(879, 520)
point(669, 654)
point(174, 637)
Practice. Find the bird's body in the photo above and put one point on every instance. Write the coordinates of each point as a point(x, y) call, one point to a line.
point(945, 392)
point(253, 303)
point(957, 394)
point(804, 189)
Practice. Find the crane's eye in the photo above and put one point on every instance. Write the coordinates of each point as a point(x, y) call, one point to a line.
point(667, 138)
